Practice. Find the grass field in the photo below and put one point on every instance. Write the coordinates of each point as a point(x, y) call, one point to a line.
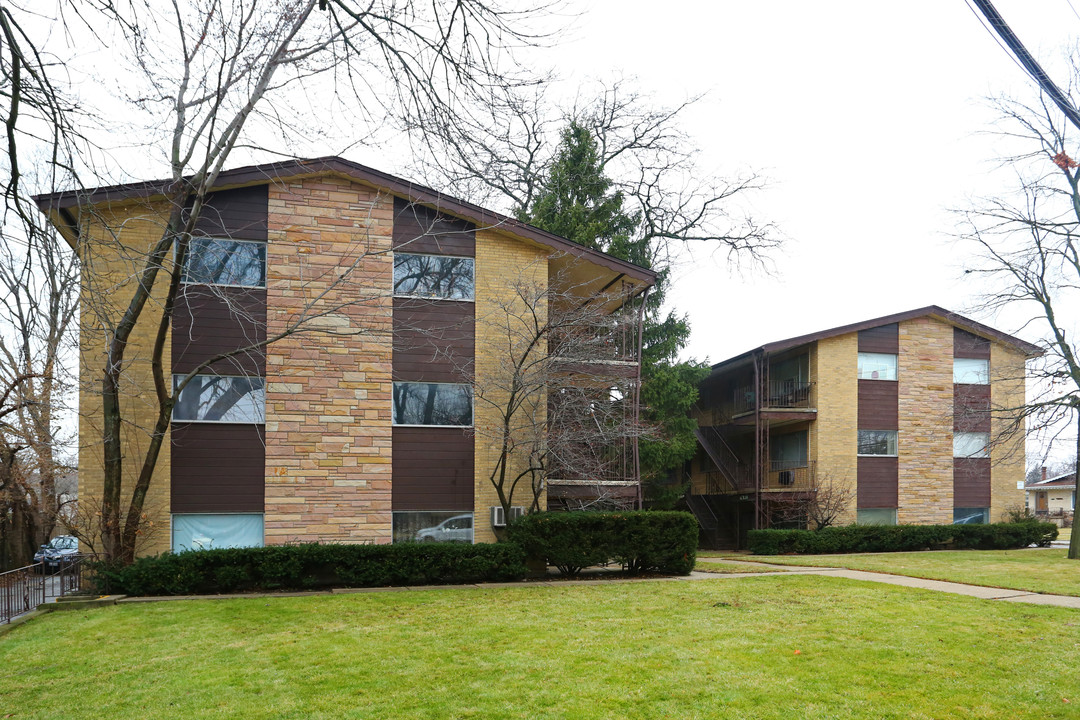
point(769, 647)
point(1035, 570)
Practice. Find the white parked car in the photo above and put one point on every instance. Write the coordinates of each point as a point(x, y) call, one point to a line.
point(456, 529)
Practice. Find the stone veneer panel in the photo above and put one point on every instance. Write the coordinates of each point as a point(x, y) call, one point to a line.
point(834, 436)
point(328, 391)
point(500, 263)
point(111, 252)
point(1007, 458)
point(925, 405)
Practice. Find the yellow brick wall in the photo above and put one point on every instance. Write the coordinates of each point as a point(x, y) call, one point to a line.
point(328, 392)
point(1007, 459)
point(834, 436)
point(501, 263)
point(925, 405)
point(113, 250)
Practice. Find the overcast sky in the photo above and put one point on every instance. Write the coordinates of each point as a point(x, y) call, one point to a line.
point(869, 119)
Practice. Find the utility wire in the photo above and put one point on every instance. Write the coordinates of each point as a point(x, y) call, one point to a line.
point(1027, 61)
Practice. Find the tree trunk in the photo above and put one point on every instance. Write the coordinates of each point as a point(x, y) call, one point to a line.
point(1074, 537)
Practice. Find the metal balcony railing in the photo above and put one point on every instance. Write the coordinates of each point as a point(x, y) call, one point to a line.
point(790, 476)
point(782, 394)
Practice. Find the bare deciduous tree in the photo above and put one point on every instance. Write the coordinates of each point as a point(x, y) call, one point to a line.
point(559, 402)
point(818, 508)
point(1029, 257)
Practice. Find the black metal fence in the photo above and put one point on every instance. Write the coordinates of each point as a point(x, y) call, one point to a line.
point(23, 589)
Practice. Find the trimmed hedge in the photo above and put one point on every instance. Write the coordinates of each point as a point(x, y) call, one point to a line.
point(641, 541)
point(311, 566)
point(899, 538)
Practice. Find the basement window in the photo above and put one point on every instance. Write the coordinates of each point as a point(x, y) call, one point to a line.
point(434, 276)
point(446, 404)
point(212, 531)
point(875, 516)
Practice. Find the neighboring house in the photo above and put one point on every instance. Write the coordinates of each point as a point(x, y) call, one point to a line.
point(1052, 497)
point(893, 412)
point(364, 427)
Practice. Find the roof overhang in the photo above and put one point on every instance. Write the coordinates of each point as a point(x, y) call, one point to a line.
point(63, 208)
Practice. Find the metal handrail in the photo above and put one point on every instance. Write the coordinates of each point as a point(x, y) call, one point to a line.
point(24, 589)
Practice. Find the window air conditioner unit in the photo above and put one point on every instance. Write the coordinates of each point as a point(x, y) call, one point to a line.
point(787, 477)
point(498, 517)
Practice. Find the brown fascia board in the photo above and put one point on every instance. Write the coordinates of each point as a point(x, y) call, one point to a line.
point(1028, 349)
point(413, 192)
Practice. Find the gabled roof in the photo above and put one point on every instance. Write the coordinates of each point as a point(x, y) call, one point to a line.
point(934, 311)
point(1061, 482)
point(64, 202)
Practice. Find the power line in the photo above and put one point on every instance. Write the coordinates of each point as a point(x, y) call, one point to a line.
point(1029, 63)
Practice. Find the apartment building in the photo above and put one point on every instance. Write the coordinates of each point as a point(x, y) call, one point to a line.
point(893, 414)
point(339, 324)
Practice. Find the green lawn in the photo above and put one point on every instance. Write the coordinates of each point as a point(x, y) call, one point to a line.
point(770, 647)
point(719, 566)
point(1035, 570)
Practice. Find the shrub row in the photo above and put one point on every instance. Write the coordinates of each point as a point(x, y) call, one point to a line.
point(311, 566)
point(639, 541)
point(896, 538)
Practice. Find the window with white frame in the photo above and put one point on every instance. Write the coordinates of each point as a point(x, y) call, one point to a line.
point(971, 444)
point(223, 261)
point(220, 398)
point(877, 442)
point(434, 276)
point(877, 366)
point(448, 404)
point(971, 371)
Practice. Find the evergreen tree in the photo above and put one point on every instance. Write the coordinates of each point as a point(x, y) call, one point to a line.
point(577, 202)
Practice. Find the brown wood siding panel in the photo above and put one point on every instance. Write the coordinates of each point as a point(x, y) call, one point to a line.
point(218, 467)
point(240, 214)
point(967, 345)
point(878, 405)
point(882, 339)
point(971, 482)
point(419, 229)
point(878, 482)
point(211, 321)
point(433, 469)
point(434, 340)
point(971, 408)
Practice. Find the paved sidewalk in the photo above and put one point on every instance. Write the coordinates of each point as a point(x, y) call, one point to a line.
point(978, 591)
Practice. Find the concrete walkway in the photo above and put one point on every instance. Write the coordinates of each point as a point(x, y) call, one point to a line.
point(978, 591)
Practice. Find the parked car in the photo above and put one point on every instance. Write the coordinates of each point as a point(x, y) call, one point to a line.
point(57, 550)
point(456, 529)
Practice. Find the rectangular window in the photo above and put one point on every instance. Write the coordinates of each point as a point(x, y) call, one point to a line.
point(433, 276)
point(433, 526)
point(877, 366)
point(875, 516)
point(197, 531)
point(219, 398)
point(877, 442)
point(970, 371)
point(971, 444)
point(971, 516)
point(788, 451)
point(432, 404)
point(219, 261)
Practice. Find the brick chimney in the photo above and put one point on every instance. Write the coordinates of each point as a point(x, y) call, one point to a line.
point(1044, 473)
